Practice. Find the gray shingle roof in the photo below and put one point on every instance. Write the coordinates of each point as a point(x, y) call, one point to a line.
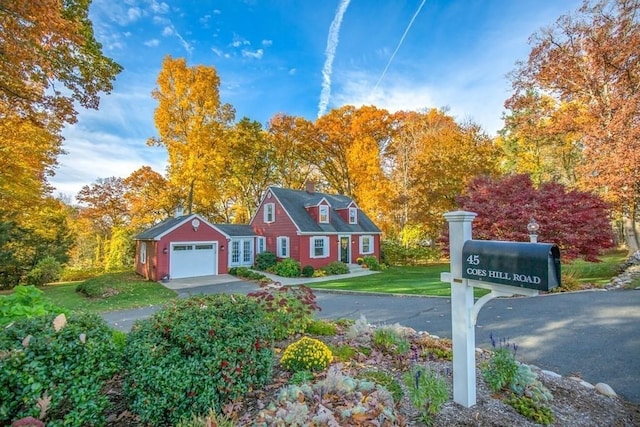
point(236, 230)
point(294, 202)
point(160, 228)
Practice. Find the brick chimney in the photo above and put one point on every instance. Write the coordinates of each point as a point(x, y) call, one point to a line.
point(310, 187)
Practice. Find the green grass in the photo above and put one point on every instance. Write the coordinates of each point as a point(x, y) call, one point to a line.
point(409, 280)
point(597, 273)
point(133, 291)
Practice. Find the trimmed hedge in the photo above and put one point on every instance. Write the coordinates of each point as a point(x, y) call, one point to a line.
point(195, 355)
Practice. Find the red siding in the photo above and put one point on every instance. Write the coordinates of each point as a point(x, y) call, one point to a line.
point(282, 226)
point(158, 262)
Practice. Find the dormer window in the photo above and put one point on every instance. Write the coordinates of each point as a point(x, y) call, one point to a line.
point(353, 215)
point(323, 214)
point(269, 212)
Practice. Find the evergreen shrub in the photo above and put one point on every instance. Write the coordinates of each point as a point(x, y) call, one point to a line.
point(195, 355)
point(265, 260)
point(68, 362)
point(47, 270)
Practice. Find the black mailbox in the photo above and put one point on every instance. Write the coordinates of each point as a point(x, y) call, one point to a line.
point(525, 265)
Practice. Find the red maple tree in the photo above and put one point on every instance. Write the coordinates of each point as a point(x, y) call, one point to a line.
point(577, 221)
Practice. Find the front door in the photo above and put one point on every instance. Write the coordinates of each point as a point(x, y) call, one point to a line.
point(344, 249)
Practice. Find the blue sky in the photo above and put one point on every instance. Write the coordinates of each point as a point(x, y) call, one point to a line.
point(286, 56)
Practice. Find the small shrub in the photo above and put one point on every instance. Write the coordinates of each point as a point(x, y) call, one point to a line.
point(501, 369)
point(322, 327)
point(440, 348)
point(288, 267)
point(23, 303)
point(301, 377)
point(360, 329)
point(104, 286)
point(360, 260)
point(389, 341)
point(288, 309)
point(196, 354)
point(386, 380)
point(372, 263)
point(265, 260)
point(233, 271)
point(336, 267)
point(46, 271)
point(529, 409)
point(68, 361)
point(426, 390)
point(306, 354)
point(526, 383)
point(308, 270)
point(569, 282)
point(343, 353)
point(319, 273)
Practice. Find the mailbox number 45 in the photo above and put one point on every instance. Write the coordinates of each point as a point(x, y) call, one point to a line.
point(473, 259)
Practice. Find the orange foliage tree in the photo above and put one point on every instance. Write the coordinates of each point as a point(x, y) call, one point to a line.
point(588, 63)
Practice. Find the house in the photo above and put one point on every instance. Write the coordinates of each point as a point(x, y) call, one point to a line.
point(312, 228)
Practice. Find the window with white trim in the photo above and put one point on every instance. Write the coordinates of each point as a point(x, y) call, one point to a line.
point(323, 214)
point(143, 253)
point(319, 247)
point(261, 242)
point(269, 212)
point(283, 247)
point(353, 215)
point(366, 244)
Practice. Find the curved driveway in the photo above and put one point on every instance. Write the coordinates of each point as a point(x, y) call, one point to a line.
point(594, 335)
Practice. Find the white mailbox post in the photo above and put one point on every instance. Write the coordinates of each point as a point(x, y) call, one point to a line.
point(464, 310)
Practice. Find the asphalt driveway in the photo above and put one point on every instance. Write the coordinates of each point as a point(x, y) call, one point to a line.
point(594, 335)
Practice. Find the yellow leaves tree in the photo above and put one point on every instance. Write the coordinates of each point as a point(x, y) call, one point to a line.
point(432, 158)
point(191, 124)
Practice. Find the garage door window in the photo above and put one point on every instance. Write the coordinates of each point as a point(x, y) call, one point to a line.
point(204, 247)
point(183, 247)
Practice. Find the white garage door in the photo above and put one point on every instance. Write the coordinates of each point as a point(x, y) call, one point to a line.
point(193, 259)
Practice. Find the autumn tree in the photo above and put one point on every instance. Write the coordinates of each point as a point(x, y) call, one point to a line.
point(104, 204)
point(290, 137)
point(250, 170)
point(577, 221)
point(191, 122)
point(347, 151)
point(538, 141)
point(588, 63)
point(149, 197)
point(431, 160)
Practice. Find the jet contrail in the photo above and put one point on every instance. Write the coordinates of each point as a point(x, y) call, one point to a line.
point(399, 44)
point(332, 43)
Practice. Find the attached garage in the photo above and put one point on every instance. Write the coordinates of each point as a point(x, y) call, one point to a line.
point(193, 259)
point(180, 247)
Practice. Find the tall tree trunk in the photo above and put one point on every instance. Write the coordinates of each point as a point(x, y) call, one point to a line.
point(631, 229)
point(190, 199)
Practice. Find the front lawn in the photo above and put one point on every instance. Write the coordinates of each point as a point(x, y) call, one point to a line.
point(409, 280)
point(113, 291)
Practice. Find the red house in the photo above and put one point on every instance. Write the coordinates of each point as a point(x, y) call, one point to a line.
point(312, 228)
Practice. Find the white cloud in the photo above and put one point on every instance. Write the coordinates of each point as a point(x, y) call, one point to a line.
point(292, 71)
point(152, 43)
point(330, 52)
point(167, 31)
point(159, 7)
point(267, 43)
point(217, 51)
point(134, 13)
point(253, 54)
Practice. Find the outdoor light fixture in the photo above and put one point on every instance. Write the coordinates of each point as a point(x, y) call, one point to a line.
point(165, 251)
point(533, 228)
point(222, 247)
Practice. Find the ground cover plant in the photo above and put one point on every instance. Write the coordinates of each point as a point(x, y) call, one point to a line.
point(55, 369)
